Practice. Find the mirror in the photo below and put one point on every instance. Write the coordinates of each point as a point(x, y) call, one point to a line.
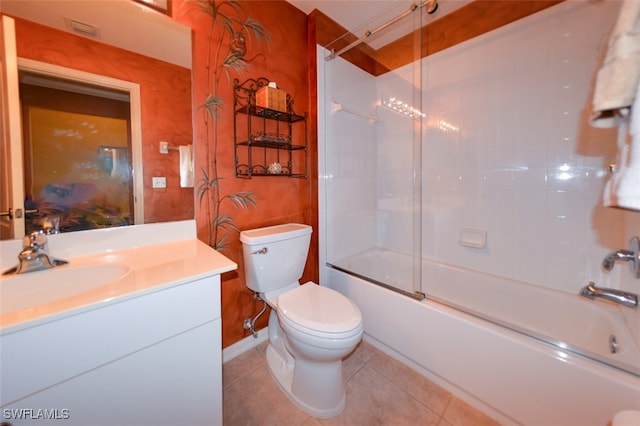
point(157, 60)
point(77, 155)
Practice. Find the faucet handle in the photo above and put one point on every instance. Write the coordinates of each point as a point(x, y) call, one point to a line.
point(632, 256)
point(35, 240)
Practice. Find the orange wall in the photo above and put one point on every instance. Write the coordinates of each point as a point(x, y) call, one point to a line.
point(166, 105)
point(279, 199)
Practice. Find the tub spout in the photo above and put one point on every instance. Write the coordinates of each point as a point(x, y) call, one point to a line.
point(619, 296)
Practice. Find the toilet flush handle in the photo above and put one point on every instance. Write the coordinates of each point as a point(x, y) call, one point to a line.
point(263, 250)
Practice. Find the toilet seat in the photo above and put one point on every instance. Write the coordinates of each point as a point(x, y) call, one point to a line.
point(320, 312)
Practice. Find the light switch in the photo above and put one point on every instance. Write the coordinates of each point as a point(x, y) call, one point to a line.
point(159, 182)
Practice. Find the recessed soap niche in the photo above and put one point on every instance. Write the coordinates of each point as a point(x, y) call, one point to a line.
point(473, 238)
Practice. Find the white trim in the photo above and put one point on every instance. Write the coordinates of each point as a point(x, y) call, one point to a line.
point(13, 131)
point(136, 117)
point(248, 343)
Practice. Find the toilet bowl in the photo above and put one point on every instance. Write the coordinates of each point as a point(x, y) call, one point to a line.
point(304, 354)
point(311, 328)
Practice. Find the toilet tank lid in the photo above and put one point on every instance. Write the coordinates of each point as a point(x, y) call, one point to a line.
point(274, 233)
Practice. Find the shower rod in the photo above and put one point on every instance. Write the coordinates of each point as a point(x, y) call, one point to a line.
point(432, 7)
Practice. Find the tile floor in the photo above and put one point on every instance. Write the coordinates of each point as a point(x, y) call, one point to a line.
point(380, 391)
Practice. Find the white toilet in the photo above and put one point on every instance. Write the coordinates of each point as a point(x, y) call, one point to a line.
point(311, 328)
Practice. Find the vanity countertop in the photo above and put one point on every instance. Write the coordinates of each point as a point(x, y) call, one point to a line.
point(141, 269)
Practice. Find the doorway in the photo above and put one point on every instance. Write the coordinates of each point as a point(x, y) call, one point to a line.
point(77, 155)
point(112, 156)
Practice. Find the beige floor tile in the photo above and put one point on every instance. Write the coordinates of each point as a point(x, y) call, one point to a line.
point(357, 359)
point(418, 386)
point(256, 400)
point(459, 413)
point(380, 391)
point(372, 400)
point(241, 365)
point(365, 351)
point(312, 421)
point(350, 366)
point(262, 348)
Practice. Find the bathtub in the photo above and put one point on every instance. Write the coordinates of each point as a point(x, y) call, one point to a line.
point(522, 354)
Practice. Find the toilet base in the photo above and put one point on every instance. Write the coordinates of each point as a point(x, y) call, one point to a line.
point(283, 373)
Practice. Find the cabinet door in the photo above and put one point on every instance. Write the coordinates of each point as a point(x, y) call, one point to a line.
point(45, 355)
point(175, 382)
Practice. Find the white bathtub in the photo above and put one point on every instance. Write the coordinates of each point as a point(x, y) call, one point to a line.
point(517, 378)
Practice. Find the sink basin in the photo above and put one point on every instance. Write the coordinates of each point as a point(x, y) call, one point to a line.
point(34, 289)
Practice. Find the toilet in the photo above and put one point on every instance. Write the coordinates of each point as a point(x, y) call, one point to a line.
point(311, 328)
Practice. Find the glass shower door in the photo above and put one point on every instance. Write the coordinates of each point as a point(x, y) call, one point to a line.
point(372, 172)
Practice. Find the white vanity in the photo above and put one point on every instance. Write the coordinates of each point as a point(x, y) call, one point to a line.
point(139, 344)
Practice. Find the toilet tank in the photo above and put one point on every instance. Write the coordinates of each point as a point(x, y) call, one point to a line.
point(274, 256)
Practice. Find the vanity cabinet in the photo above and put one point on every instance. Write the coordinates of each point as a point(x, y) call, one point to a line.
point(155, 359)
point(267, 142)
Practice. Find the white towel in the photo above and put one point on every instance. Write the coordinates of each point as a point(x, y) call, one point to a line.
point(616, 103)
point(618, 78)
point(186, 166)
point(623, 189)
point(626, 418)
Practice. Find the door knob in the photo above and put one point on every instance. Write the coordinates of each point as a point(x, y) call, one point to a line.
point(17, 213)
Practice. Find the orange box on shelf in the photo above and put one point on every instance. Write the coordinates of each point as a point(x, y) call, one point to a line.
point(272, 98)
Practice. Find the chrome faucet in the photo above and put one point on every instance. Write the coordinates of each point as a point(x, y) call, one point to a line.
point(622, 255)
point(34, 255)
point(632, 256)
point(618, 296)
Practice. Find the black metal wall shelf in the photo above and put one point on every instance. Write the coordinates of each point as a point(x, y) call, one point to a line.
point(267, 142)
point(271, 114)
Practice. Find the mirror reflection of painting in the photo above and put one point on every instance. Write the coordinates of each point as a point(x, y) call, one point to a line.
point(78, 171)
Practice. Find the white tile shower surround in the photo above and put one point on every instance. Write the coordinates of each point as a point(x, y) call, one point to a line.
point(380, 391)
point(523, 165)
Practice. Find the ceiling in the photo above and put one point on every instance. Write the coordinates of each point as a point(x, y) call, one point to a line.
point(117, 20)
point(156, 34)
point(360, 16)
